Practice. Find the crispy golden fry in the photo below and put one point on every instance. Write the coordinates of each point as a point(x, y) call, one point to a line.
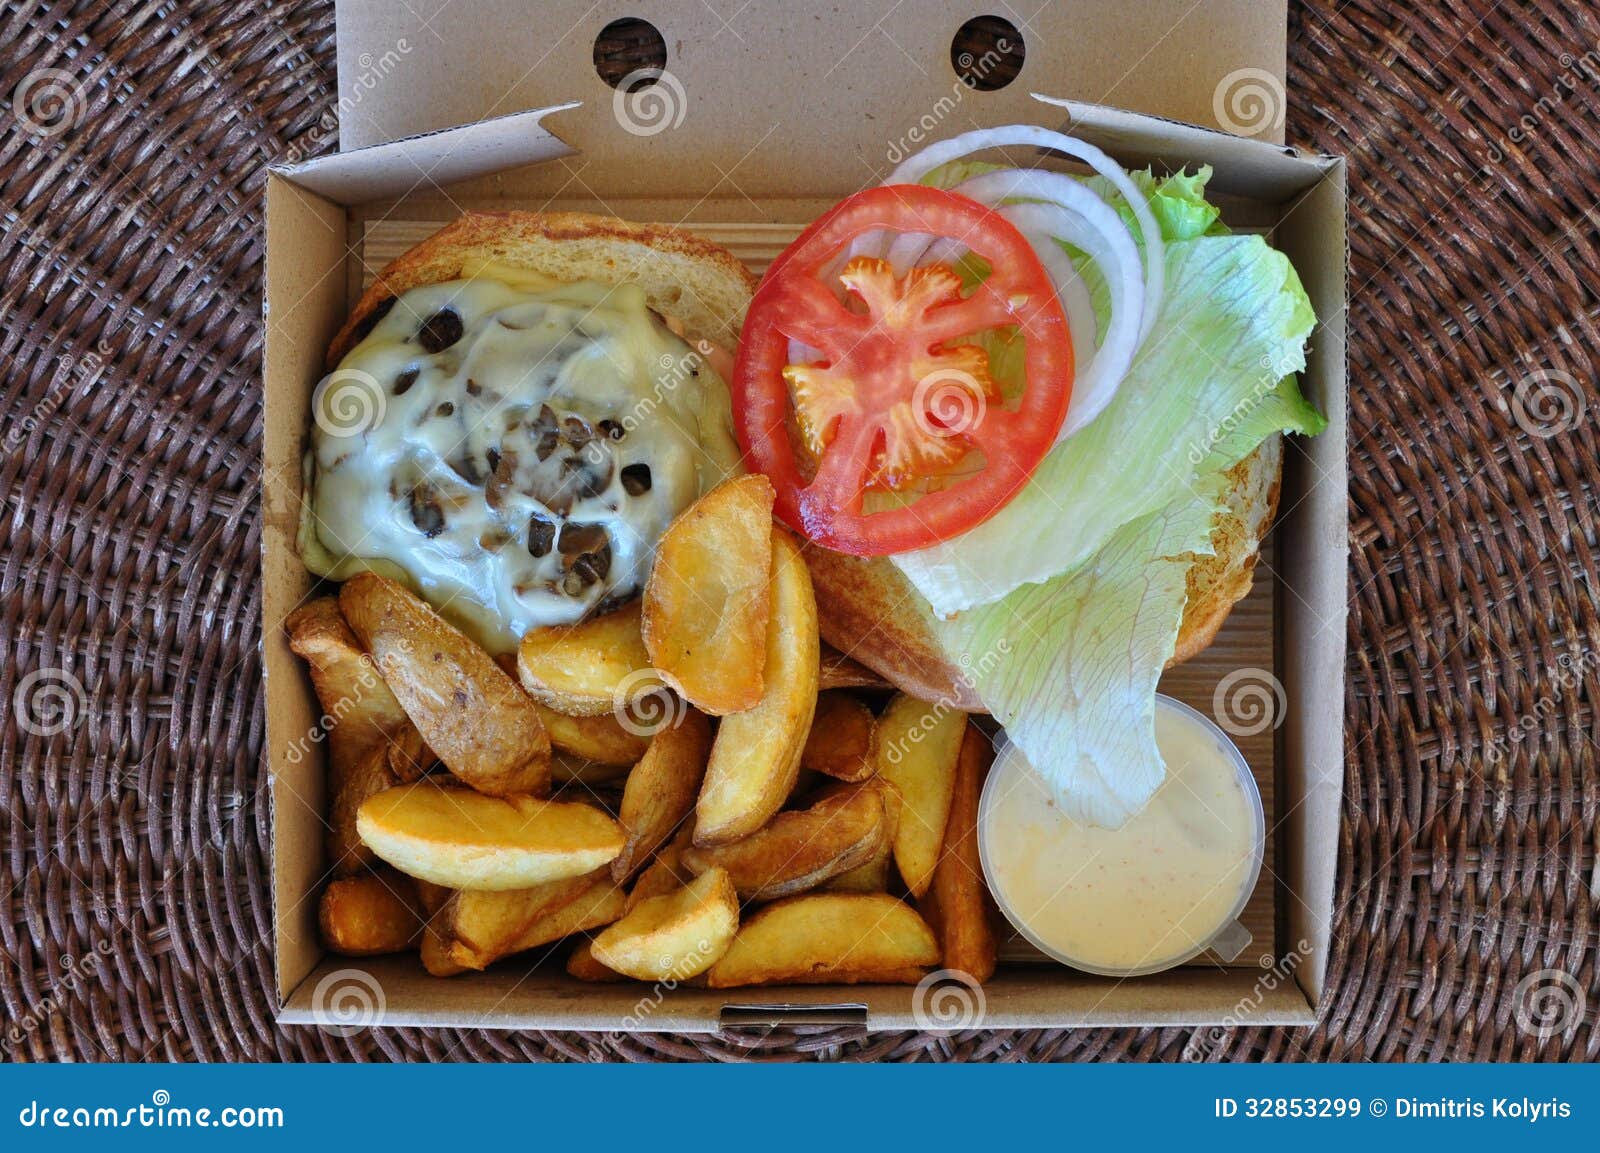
point(372, 744)
point(588, 669)
point(708, 598)
point(756, 755)
point(840, 742)
point(369, 914)
point(582, 965)
point(666, 872)
point(874, 875)
point(472, 715)
point(955, 904)
point(600, 904)
point(829, 938)
point(565, 769)
point(801, 848)
point(676, 936)
point(488, 923)
point(464, 840)
point(838, 671)
point(915, 748)
point(600, 739)
point(661, 790)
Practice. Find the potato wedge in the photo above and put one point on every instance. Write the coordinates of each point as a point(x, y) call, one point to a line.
point(801, 848)
point(829, 938)
point(464, 840)
point(601, 740)
point(491, 922)
point(837, 671)
point(435, 945)
point(582, 965)
point(915, 747)
point(955, 904)
point(370, 914)
point(755, 757)
point(661, 791)
point(566, 769)
point(600, 904)
point(875, 874)
point(708, 598)
point(676, 936)
point(666, 872)
point(472, 715)
point(588, 669)
point(840, 742)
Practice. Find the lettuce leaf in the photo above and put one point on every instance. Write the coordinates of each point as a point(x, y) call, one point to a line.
point(1208, 384)
point(1076, 659)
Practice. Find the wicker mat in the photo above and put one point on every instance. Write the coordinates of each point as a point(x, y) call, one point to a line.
point(133, 828)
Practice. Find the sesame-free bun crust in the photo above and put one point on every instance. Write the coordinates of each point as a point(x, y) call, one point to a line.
point(699, 284)
point(869, 611)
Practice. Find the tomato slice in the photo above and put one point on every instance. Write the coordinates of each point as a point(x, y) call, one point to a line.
point(893, 402)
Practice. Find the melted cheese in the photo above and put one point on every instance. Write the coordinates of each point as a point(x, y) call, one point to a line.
point(470, 459)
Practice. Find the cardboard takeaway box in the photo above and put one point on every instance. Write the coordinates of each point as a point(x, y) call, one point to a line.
point(765, 135)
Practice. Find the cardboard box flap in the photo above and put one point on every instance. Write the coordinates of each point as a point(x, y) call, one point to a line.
point(766, 98)
point(1255, 167)
point(433, 160)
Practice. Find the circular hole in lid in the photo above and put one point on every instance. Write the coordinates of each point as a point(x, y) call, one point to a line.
point(627, 46)
point(987, 53)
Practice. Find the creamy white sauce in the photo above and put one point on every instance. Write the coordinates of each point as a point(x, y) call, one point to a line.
point(1151, 893)
point(513, 448)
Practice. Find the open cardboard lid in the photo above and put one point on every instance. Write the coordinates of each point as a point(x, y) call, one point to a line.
point(768, 97)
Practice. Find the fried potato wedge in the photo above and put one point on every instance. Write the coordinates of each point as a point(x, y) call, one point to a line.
point(755, 757)
point(840, 741)
point(661, 790)
point(481, 725)
point(465, 840)
point(435, 945)
point(955, 904)
point(489, 923)
point(801, 848)
point(667, 871)
point(915, 747)
point(837, 671)
point(370, 914)
point(829, 938)
point(588, 669)
point(708, 598)
point(872, 877)
point(582, 965)
point(675, 936)
point(599, 904)
point(566, 769)
point(600, 739)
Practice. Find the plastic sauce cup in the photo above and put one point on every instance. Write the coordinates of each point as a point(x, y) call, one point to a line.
point(1164, 888)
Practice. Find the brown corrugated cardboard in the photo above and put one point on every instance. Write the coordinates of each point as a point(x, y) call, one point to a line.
point(328, 225)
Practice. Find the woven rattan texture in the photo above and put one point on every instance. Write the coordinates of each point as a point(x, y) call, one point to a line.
point(133, 828)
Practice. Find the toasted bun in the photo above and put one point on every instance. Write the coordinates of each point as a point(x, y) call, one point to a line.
point(688, 279)
point(870, 612)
